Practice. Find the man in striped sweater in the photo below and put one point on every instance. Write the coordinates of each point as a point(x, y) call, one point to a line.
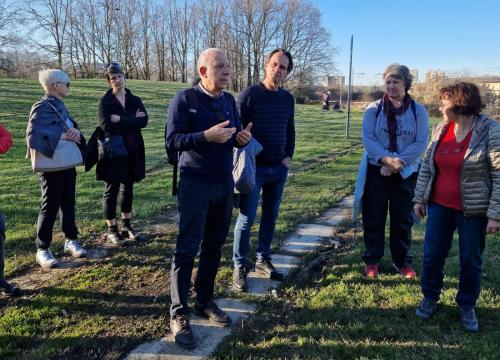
point(271, 110)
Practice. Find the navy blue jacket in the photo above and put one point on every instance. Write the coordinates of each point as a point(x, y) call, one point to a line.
point(272, 115)
point(204, 161)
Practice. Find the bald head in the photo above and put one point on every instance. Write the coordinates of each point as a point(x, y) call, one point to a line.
point(213, 69)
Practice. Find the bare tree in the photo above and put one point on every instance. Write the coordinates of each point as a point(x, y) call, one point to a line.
point(50, 17)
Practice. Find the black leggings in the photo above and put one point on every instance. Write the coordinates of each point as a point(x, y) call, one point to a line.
point(110, 196)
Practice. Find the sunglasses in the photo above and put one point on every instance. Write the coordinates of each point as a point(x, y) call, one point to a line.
point(65, 83)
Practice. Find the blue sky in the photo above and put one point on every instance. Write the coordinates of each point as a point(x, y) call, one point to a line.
point(452, 35)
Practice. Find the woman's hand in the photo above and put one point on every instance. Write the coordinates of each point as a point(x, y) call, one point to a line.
point(73, 134)
point(393, 163)
point(420, 210)
point(140, 113)
point(384, 171)
point(115, 118)
point(493, 226)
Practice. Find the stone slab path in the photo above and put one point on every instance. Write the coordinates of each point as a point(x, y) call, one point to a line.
point(307, 239)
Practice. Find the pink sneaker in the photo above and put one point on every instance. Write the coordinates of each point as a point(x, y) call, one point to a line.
point(408, 272)
point(371, 270)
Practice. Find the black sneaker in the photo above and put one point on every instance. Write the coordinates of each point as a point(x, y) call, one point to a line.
point(266, 267)
point(240, 278)
point(115, 238)
point(9, 289)
point(130, 233)
point(214, 313)
point(183, 334)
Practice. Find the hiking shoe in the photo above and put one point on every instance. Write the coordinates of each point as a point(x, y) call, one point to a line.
point(130, 233)
point(183, 334)
point(75, 249)
point(266, 267)
point(214, 313)
point(115, 238)
point(240, 278)
point(9, 289)
point(45, 259)
point(425, 309)
point(371, 270)
point(469, 319)
point(407, 271)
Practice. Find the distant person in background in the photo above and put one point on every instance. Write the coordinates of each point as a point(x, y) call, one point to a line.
point(395, 135)
point(459, 187)
point(58, 188)
point(327, 96)
point(121, 114)
point(5, 287)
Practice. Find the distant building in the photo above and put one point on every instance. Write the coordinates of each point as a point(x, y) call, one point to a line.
point(414, 74)
point(435, 75)
point(493, 86)
point(331, 82)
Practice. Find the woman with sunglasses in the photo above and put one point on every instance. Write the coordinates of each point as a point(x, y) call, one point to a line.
point(395, 134)
point(121, 114)
point(45, 130)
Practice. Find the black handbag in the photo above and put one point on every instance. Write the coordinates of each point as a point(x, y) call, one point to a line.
point(111, 148)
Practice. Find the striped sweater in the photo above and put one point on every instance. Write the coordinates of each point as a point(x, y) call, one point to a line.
point(272, 115)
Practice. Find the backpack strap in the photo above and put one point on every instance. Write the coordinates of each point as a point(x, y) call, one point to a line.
point(192, 109)
point(413, 107)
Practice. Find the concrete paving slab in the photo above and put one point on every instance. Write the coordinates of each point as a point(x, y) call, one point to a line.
point(301, 244)
point(260, 284)
point(208, 336)
point(348, 201)
point(314, 230)
point(335, 216)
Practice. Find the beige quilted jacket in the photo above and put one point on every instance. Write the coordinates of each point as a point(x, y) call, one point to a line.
point(480, 182)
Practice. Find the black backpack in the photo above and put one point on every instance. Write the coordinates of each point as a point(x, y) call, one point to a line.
point(174, 155)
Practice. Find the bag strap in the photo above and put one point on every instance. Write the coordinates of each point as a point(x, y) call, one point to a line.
point(58, 115)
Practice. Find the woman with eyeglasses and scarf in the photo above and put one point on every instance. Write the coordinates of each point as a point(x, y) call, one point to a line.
point(121, 114)
point(395, 134)
point(45, 130)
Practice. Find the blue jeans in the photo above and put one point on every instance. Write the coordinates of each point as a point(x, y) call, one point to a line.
point(271, 179)
point(205, 215)
point(441, 225)
point(2, 246)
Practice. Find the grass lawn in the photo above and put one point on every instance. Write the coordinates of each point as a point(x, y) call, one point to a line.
point(106, 307)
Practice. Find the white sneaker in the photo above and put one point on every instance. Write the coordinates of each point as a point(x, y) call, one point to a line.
point(75, 249)
point(45, 259)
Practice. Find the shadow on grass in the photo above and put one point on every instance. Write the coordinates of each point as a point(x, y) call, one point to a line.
point(67, 347)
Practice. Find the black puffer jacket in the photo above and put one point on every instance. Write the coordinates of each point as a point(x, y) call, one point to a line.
point(133, 167)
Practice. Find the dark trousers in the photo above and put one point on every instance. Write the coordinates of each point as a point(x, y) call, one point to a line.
point(110, 196)
point(205, 216)
point(441, 225)
point(58, 195)
point(2, 246)
point(383, 193)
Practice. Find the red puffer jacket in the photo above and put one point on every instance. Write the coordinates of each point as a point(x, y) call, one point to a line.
point(5, 140)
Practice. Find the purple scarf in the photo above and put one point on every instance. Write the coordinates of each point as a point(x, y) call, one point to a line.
point(392, 124)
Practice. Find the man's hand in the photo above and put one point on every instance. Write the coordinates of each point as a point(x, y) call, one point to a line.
point(384, 171)
point(115, 118)
point(493, 226)
point(420, 210)
point(73, 134)
point(287, 162)
point(219, 133)
point(244, 136)
point(393, 163)
point(140, 113)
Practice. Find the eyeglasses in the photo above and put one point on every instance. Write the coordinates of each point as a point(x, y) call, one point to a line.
point(65, 83)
